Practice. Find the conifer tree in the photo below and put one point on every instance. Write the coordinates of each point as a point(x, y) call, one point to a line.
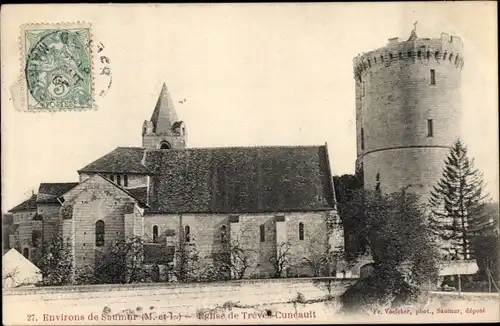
point(457, 202)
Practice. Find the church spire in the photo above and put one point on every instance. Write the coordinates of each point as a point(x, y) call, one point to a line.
point(164, 115)
point(164, 130)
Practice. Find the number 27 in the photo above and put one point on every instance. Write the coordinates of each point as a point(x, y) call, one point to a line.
point(31, 317)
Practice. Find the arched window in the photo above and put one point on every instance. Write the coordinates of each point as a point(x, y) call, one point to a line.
point(301, 231)
point(223, 234)
point(165, 145)
point(35, 238)
point(155, 234)
point(26, 253)
point(99, 233)
point(187, 233)
point(262, 233)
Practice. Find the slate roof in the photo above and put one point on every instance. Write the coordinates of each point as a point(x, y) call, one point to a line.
point(28, 204)
point(139, 193)
point(120, 160)
point(164, 115)
point(227, 179)
point(240, 180)
point(49, 192)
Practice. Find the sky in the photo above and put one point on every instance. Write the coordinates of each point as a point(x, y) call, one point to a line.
point(251, 74)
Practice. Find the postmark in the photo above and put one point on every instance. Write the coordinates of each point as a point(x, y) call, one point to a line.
point(57, 67)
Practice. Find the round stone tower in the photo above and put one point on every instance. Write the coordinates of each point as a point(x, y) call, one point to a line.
point(408, 111)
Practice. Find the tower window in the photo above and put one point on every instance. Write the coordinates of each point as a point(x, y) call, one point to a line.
point(165, 145)
point(430, 128)
point(223, 234)
point(99, 233)
point(262, 233)
point(451, 56)
point(118, 180)
point(155, 234)
point(362, 139)
point(428, 55)
point(125, 180)
point(112, 178)
point(436, 55)
point(381, 59)
point(409, 54)
point(374, 60)
point(433, 77)
point(419, 54)
point(187, 234)
point(444, 55)
point(26, 253)
point(390, 56)
point(400, 55)
point(301, 231)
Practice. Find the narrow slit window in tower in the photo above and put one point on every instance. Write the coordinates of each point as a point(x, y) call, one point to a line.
point(125, 180)
point(112, 178)
point(187, 234)
point(118, 180)
point(433, 77)
point(430, 129)
point(362, 139)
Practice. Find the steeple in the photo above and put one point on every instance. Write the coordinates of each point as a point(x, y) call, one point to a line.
point(164, 115)
point(164, 130)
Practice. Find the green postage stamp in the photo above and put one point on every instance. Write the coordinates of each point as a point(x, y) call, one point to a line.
point(56, 67)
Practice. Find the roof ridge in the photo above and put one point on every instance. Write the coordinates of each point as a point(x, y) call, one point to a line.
point(58, 183)
point(242, 147)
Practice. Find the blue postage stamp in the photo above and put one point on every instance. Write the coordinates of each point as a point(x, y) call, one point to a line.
point(57, 67)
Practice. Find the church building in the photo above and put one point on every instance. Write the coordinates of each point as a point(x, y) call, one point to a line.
point(271, 202)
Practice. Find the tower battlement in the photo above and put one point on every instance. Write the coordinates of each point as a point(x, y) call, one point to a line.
point(447, 49)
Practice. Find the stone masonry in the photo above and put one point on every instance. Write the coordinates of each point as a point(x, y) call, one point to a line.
point(408, 111)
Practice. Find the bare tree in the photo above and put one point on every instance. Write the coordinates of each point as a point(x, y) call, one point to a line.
point(282, 259)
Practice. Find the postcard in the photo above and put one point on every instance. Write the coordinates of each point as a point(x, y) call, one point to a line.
point(298, 163)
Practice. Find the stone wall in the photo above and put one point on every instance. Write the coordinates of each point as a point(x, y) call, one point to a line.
point(96, 199)
point(243, 232)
